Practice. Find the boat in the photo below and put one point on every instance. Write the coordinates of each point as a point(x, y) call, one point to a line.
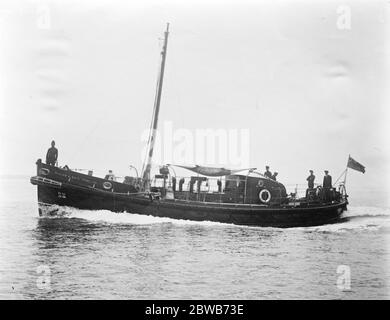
point(242, 196)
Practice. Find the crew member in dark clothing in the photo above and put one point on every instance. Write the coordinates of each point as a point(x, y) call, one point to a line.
point(310, 180)
point(327, 185)
point(52, 155)
point(310, 193)
point(219, 183)
point(274, 176)
point(110, 176)
point(181, 182)
point(174, 183)
point(192, 182)
point(267, 173)
point(198, 185)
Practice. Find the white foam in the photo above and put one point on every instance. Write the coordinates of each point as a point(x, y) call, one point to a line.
point(106, 216)
point(359, 219)
point(366, 211)
point(350, 226)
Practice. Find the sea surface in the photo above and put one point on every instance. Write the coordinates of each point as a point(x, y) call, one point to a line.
point(103, 255)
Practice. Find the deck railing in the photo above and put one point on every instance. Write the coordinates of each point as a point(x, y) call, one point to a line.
point(210, 186)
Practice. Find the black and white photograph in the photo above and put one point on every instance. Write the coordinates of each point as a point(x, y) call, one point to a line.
point(194, 150)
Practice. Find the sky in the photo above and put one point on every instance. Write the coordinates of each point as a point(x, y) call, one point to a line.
point(299, 84)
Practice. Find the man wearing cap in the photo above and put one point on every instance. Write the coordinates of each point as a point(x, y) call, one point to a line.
point(110, 176)
point(267, 173)
point(327, 185)
point(52, 155)
point(310, 180)
point(274, 176)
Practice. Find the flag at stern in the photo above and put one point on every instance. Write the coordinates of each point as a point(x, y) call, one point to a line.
point(353, 164)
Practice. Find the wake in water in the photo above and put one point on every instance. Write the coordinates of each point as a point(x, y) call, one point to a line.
point(359, 219)
point(106, 216)
point(356, 218)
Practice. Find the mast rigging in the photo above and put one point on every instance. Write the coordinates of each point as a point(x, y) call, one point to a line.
point(156, 109)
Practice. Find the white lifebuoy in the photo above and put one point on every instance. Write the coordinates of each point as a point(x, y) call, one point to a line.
point(261, 196)
point(107, 185)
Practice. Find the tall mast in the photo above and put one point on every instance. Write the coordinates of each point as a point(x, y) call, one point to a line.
point(153, 129)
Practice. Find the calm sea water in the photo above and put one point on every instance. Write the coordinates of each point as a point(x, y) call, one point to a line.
point(104, 255)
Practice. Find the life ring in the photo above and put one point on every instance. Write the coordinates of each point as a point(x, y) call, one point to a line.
point(266, 191)
point(107, 185)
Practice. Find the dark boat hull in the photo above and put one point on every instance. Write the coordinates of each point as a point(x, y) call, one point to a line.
point(83, 197)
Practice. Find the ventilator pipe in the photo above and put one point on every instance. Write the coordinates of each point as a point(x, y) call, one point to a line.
point(136, 171)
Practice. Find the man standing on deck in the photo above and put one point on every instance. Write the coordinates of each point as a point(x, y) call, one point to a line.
point(267, 173)
point(52, 155)
point(110, 176)
point(310, 180)
point(310, 194)
point(219, 183)
point(174, 183)
point(327, 185)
